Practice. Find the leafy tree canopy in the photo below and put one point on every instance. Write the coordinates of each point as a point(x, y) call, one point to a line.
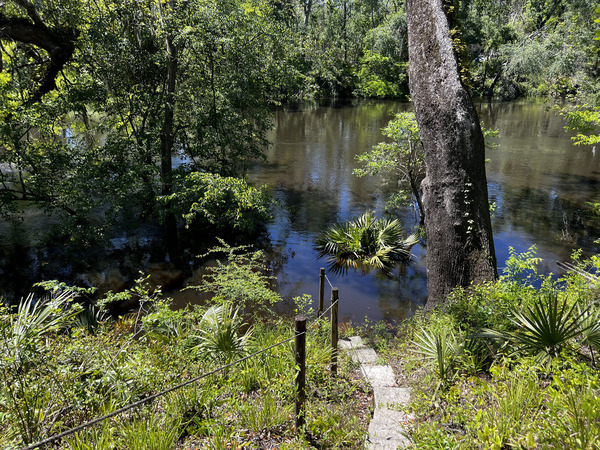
point(149, 89)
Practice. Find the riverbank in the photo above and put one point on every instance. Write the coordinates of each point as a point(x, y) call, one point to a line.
point(172, 382)
point(540, 186)
point(507, 365)
point(165, 378)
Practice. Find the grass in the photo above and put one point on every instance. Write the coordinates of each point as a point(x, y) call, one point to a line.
point(535, 387)
point(59, 372)
point(467, 391)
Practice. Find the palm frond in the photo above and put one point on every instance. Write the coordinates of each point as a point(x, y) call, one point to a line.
point(35, 318)
point(367, 241)
point(440, 347)
point(219, 334)
point(544, 328)
point(590, 326)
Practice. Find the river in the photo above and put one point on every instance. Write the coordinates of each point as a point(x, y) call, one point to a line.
point(538, 181)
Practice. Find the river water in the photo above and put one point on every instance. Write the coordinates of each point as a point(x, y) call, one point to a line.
point(539, 182)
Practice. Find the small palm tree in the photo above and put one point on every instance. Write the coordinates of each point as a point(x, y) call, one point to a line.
point(546, 327)
point(365, 242)
point(219, 335)
point(443, 348)
point(22, 334)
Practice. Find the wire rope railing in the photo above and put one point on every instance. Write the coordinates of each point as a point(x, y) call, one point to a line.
point(150, 398)
point(300, 359)
point(327, 278)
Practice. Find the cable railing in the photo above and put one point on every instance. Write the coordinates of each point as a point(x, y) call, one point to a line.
point(300, 363)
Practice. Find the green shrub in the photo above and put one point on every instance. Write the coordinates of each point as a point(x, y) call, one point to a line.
point(225, 203)
point(539, 386)
point(575, 408)
point(442, 348)
point(380, 76)
point(65, 374)
point(515, 403)
point(241, 280)
point(544, 329)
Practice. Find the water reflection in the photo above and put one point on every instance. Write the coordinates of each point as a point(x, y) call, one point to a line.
point(310, 170)
point(538, 181)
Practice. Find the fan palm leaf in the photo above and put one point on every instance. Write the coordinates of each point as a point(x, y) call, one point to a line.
point(440, 347)
point(219, 334)
point(34, 319)
point(544, 328)
point(365, 242)
point(590, 328)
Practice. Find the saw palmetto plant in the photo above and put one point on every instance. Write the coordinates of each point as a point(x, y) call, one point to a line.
point(366, 242)
point(545, 328)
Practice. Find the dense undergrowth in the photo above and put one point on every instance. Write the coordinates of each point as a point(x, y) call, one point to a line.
point(511, 364)
point(63, 365)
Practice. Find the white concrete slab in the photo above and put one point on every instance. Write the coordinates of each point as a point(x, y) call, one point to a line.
point(387, 425)
point(388, 397)
point(379, 376)
point(385, 444)
point(385, 430)
point(365, 356)
point(351, 342)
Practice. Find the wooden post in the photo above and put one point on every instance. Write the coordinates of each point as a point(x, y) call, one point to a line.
point(321, 291)
point(300, 344)
point(334, 329)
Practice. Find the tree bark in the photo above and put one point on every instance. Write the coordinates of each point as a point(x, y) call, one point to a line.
point(460, 246)
point(167, 138)
point(414, 186)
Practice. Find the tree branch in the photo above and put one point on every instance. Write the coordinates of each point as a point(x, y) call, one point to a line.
point(59, 43)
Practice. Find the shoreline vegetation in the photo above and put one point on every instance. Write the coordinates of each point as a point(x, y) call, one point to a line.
point(507, 364)
point(64, 365)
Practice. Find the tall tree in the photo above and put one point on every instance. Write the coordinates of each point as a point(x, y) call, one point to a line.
point(460, 247)
point(167, 134)
point(149, 83)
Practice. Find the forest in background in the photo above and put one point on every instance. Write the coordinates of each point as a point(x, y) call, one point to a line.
point(99, 98)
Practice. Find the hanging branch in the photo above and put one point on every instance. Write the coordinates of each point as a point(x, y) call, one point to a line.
point(59, 43)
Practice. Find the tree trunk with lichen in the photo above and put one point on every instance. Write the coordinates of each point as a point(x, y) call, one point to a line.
point(460, 246)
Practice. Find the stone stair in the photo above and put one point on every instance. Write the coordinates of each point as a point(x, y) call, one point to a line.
point(386, 426)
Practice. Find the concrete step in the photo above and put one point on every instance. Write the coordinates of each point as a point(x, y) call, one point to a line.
point(364, 356)
point(351, 342)
point(379, 376)
point(387, 425)
point(391, 397)
point(385, 429)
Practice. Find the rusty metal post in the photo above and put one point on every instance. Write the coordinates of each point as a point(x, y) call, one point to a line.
point(300, 347)
point(334, 330)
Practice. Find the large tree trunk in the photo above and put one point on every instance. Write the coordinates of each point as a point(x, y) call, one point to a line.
point(167, 138)
point(460, 247)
